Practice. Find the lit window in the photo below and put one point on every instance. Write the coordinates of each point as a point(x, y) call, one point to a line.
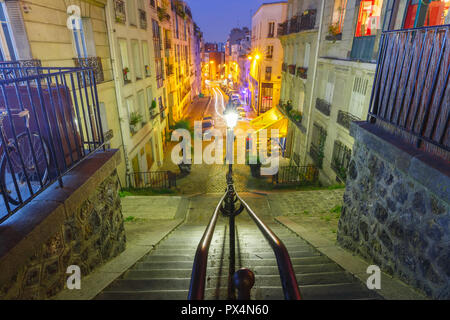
point(422, 13)
point(7, 52)
point(338, 15)
point(368, 18)
point(83, 38)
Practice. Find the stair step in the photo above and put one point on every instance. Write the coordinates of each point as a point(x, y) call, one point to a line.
point(162, 256)
point(346, 291)
point(143, 284)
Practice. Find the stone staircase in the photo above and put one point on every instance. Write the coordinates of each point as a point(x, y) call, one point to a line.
point(164, 274)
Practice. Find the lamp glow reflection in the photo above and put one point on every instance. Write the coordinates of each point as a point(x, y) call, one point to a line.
point(231, 118)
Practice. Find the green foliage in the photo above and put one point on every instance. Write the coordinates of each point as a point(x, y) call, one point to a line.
point(153, 106)
point(144, 192)
point(135, 118)
point(130, 219)
point(336, 209)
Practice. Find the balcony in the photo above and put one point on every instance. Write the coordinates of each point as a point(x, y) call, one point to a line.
point(294, 116)
point(362, 49)
point(346, 118)
point(162, 14)
point(291, 68)
point(302, 73)
point(410, 93)
point(19, 68)
point(142, 19)
point(317, 155)
point(120, 11)
point(54, 122)
point(323, 106)
point(95, 63)
point(306, 21)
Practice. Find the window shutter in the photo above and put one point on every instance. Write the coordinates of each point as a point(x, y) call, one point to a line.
point(20, 37)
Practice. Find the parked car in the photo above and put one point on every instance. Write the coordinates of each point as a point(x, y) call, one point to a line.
point(207, 126)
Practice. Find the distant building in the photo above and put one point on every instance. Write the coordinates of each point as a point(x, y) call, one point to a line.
point(266, 55)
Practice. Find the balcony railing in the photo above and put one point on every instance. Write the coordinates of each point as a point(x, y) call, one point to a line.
point(284, 67)
point(410, 96)
point(296, 175)
point(120, 12)
point(306, 21)
point(154, 180)
point(95, 63)
point(49, 123)
point(142, 19)
point(362, 48)
point(291, 68)
point(302, 72)
point(346, 118)
point(323, 106)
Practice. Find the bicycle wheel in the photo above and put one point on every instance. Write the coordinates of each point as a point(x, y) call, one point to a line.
point(34, 171)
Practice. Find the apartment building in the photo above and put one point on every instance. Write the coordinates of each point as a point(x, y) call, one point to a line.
point(183, 63)
point(139, 97)
point(299, 36)
point(348, 33)
point(267, 56)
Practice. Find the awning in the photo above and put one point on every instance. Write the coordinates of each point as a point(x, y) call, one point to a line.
point(272, 119)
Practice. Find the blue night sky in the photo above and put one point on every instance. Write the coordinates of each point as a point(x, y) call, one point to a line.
point(216, 18)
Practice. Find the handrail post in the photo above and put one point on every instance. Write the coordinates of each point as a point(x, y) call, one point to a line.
point(231, 210)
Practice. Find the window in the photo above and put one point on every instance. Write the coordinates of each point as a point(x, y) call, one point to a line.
point(317, 149)
point(123, 47)
point(329, 90)
point(268, 74)
point(83, 38)
point(137, 59)
point(271, 33)
point(368, 18)
point(269, 54)
point(132, 12)
point(149, 154)
point(151, 111)
point(422, 13)
point(146, 58)
point(358, 98)
point(141, 105)
point(341, 159)
point(307, 55)
point(266, 96)
point(7, 52)
point(338, 15)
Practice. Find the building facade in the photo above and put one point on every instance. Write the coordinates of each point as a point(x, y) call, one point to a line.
point(267, 55)
point(140, 94)
point(334, 89)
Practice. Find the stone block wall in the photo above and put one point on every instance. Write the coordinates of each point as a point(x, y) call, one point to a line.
point(87, 234)
point(396, 212)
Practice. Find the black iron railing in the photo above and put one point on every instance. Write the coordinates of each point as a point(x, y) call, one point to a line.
point(155, 180)
point(298, 175)
point(411, 90)
point(346, 118)
point(49, 123)
point(243, 279)
point(92, 62)
point(305, 21)
point(323, 106)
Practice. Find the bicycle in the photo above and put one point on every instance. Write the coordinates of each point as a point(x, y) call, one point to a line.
point(29, 160)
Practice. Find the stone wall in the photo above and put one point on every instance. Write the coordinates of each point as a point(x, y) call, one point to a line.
point(86, 234)
point(396, 211)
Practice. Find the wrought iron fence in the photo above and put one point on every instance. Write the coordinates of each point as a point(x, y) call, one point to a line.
point(345, 118)
point(305, 21)
point(156, 180)
point(323, 106)
point(411, 91)
point(49, 123)
point(298, 175)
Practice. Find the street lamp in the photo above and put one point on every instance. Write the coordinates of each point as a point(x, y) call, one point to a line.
point(231, 118)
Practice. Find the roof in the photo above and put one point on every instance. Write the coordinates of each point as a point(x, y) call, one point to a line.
point(268, 4)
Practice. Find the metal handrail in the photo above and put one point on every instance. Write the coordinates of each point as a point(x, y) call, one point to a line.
point(199, 269)
point(287, 273)
point(198, 277)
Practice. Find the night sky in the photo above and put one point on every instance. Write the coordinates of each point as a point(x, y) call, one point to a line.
point(216, 18)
